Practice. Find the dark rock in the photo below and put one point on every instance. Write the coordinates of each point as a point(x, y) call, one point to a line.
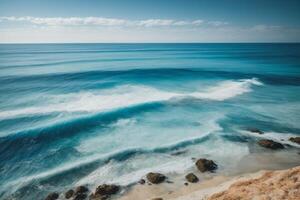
point(69, 194)
point(98, 197)
point(192, 178)
point(81, 189)
point(255, 130)
point(157, 198)
point(177, 153)
point(270, 144)
point(169, 181)
point(206, 165)
point(107, 189)
point(80, 196)
point(295, 139)
point(52, 196)
point(186, 184)
point(155, 178)
point(142, 181)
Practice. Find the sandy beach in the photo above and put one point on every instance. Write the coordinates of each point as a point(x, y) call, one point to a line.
point(277, 184)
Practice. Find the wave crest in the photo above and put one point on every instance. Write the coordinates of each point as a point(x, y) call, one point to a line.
point(130, 95)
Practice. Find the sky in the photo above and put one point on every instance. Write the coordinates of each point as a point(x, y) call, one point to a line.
point(64, 21)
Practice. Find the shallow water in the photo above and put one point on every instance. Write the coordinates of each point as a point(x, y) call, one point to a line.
point(74, 114)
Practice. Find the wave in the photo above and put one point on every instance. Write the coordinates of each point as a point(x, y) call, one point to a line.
point(130, 95)
point(276, 136)
point(93, 162)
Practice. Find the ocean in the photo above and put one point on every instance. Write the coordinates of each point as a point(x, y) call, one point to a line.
point(76, 114)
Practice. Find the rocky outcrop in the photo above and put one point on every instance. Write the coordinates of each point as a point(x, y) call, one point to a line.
point(69, 194)
point(98, 197)
point(206, 165)
point(81, 189)
point(155, 178)
point(270, 144)
point(192, 178)
point(255, 130)
point(80, 196)
point(104, 191)
point(295, 139)
point(107, 189)
point(52, 196)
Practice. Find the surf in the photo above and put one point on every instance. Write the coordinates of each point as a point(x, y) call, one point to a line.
point(130, 95)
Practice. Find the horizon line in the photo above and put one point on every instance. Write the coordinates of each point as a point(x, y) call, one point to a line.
point(277, 42)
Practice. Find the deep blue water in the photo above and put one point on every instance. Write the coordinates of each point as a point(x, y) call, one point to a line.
point(73, 114)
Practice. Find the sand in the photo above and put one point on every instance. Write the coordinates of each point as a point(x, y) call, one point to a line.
point(280, 184)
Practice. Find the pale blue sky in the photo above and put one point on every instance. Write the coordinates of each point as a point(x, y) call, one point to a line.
point(149, 21)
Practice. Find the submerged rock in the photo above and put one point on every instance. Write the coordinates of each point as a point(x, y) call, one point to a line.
point(98, 197)
point(81, 189)
point(157, 198)
point(142, 181)
point(177, 153)
point(80, 196)
point(107, 189)
point(206, 165)
point(69, 194)
point(155, 178)
point(255, 130)
point(295, 139)
point(270, 144)
point(192, 178)
point(52, 196)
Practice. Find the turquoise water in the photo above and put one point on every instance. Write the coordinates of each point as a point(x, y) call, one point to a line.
point(74, 114)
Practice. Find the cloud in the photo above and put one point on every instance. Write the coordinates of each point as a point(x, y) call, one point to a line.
point(262, 27)
point(217, 23)
point(101, 21)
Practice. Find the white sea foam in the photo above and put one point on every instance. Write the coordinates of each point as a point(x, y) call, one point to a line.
point(224, 152)
point(109, 173)
point(129, 95)
point(123, 122)
point(227, 89)
point(276, 136)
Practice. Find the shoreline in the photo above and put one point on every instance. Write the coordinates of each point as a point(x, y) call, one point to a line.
point(212, 188)
point(204, 179)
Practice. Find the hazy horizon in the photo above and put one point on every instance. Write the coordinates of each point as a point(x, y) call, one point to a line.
point(133, 21)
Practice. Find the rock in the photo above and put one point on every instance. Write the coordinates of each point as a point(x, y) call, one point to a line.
point(98, 197)
point(155, 178)
point(270, 144)
point(142, 181)
point(255, 130)
point(157, 198)
point(295, 139)
point(69, 194)
point(186, 184)
point(81, 189)
point(206, 165)
point(177, 153)
point(80, 196)
point(52, 196)
point(192, 178)
point(107, 189)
